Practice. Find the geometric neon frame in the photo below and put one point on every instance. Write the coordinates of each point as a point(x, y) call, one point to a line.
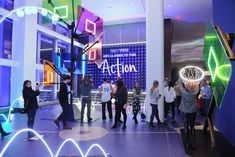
point(87, 28)
point(212, 56)
point(217, 72)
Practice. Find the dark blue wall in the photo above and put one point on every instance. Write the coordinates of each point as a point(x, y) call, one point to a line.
point(224, 14)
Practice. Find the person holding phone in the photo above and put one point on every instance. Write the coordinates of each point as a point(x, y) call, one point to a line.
point(30, 103)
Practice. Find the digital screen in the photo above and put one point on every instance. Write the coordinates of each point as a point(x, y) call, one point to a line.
point(127, 61)
point(217, 63)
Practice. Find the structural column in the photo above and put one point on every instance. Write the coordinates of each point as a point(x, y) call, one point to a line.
point(155, 51)
point(24, 47)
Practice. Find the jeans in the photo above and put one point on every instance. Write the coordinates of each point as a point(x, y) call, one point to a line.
point(31, 117)
point(205, 106)
point(109, 106)
point(154, 113)
point(63, 116)
point(86, 101)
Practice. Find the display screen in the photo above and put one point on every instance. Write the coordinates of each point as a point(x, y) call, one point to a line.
point(217, 62)
point(127, 61)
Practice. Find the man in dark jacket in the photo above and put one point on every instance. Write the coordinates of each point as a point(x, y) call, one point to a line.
point(63, 99)
point(86, 87)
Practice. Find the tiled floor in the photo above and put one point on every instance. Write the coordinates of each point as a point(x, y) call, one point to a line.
point(136, 141)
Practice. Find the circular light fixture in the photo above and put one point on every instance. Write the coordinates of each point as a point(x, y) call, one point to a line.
point(20, 13)
point(44, 12)
point(191, 73)
point(55, 19)
point(34, 10)
point(28, 10)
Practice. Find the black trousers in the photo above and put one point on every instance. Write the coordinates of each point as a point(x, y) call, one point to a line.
point(63, 116)
point(154, 113)
point(167, 107)
point(178, 101)
point(31, 113)
point(118, 110)
point(189, 121)
point(109, 106)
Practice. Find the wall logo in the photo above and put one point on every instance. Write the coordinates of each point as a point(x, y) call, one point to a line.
point(118, 68)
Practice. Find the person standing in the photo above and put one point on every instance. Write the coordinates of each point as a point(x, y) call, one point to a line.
point(86, 86)
point(120, 104)
point(64, 102)
point(154, 96)
point(188, 106)
point(170, 95)
point(136, 102)
point(30, 103)
point(106, 91)
point(205, 93)
point(178, 96)
point(3, 133)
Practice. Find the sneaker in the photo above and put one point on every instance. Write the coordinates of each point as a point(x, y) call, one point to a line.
point(57, 123)
point(151, 125)
point(114, 126)
point(67, 128)
point(89, 120)
point(124, 127)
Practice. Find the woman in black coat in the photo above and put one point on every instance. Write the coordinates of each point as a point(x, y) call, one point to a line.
point(30, 103)
point(120, 104)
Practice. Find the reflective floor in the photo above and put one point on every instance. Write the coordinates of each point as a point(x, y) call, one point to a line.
point(138, 140)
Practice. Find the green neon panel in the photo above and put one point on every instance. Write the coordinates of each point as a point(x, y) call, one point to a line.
point(217, 63)
point(63, 7)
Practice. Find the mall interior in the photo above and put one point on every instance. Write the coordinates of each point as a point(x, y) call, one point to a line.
point(98, 53)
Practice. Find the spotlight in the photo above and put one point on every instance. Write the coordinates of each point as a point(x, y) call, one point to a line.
point(20, 13)
point(44, 12)
point(28, 11)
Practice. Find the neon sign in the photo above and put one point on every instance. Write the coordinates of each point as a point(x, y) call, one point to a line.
point(49, 149)
point(118, 68)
